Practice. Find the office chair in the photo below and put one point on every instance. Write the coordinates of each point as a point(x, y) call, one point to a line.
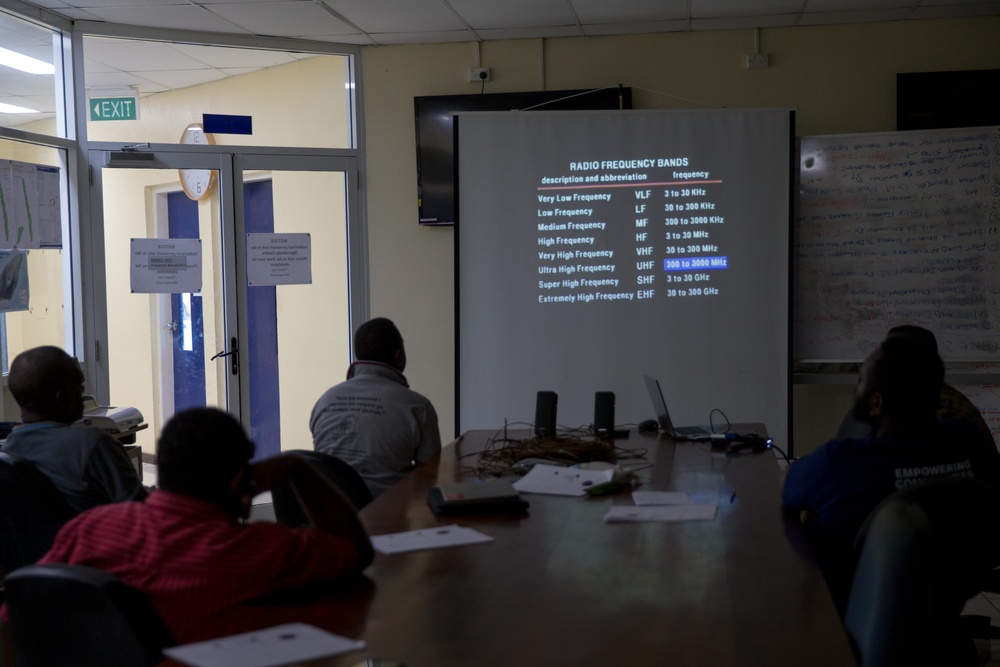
point(287, 509)
point(32, 511)
point(922, 553)
point(77, 615)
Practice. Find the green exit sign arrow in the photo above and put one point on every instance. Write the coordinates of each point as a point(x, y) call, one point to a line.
point(113, 108)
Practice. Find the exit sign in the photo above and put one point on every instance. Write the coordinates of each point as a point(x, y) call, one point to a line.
point(113, 108)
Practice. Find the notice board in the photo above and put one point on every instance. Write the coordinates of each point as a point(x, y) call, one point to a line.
point(898, 228)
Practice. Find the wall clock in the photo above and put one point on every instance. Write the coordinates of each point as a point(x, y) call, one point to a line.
point(197, 183)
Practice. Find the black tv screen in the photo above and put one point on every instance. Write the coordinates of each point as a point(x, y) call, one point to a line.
point(933, 100)
point(435, 139)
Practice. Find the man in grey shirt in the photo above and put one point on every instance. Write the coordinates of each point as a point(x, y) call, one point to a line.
point(87, 466)
point(373, 420)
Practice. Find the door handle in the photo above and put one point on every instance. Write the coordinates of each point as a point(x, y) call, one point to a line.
point(233, 353)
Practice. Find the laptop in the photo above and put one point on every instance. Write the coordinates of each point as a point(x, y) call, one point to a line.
point(662, 416)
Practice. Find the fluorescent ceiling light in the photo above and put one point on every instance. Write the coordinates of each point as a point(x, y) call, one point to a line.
point(10, 108)
point(24, 63)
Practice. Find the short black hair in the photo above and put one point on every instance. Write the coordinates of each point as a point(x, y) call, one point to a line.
point(36, 375)
point(199, 452)
point(909, 374)
point(377, 339)
point(918, 333)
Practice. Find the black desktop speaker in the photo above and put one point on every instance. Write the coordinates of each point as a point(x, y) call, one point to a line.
point(604, 413)
point(545, 413)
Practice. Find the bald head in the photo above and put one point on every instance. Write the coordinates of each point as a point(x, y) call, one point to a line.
point(47, 384)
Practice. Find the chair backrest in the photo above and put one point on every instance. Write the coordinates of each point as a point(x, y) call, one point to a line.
point(31, 512)
point(77, 615)
point(287, 509)
point(923, 552)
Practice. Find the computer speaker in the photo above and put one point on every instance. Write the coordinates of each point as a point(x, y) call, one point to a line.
point(604, 413)
point(545, 413)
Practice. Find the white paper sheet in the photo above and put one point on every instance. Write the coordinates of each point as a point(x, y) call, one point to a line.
point(165, 266)
point(279, 259)
point(558, 481)
point(626, 513)
point(428, 538)
point(280, 645)
point(660, 498)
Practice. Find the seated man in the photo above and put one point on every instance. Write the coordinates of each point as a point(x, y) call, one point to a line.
point(952, 403)
point(840, 483)
point(373, 420)
point(185, 546)
point(87, 465)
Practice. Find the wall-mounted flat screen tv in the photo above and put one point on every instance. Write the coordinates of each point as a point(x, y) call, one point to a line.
point(933, 100)
point(435, 140)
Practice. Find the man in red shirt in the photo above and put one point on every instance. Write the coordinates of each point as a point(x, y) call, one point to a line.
point(186, 547)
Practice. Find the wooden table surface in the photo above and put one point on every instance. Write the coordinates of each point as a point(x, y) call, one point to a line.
point(558, 586)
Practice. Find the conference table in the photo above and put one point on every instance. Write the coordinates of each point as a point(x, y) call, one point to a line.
point(559, 586)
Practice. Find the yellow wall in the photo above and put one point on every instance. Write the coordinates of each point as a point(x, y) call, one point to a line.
point(840, 79)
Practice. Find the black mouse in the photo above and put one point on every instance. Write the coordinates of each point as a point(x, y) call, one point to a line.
point(649, 425)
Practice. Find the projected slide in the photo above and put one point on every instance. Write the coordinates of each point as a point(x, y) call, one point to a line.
point(593, 247)
point(583, 258)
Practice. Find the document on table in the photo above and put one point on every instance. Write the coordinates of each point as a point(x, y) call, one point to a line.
point(660, 498)
point(629, 513)
point(280, 645)
point(428, 538)
point(559, 481)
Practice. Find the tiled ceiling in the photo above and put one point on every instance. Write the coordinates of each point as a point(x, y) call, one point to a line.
point(419, 21)
point(152, 67)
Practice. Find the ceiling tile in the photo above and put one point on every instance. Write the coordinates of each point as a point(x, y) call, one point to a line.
point(78, 14)
point(137, 56)
point(58, 5)
point(90, 4)
point(636, 28)
point(866, 16)
point(488, 14)
point(181, 17)
point(174, 80)
point(856, 5)
point(704, 9)
point(940, 12)
point(21, 83)
point(532, 33)
point(745, 22)
point(122, 80)
point(424, 37)
point(41, 103)
point(398, 16)
point(282, 19)
point(358, 39)
point(220, 56)
point(629, 11)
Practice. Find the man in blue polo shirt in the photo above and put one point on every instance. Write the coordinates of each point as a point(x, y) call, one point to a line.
point(87, 466)
point(839, 484)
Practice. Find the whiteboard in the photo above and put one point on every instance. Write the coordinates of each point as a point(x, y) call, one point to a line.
point(986, 397)
point(898, 228)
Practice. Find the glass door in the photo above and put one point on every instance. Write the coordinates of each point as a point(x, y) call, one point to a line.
point(267, 329)
point(166, 314)
point(292, 221)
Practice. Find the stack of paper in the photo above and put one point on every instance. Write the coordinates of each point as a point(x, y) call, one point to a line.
point(428, 538)
point(280, 645)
